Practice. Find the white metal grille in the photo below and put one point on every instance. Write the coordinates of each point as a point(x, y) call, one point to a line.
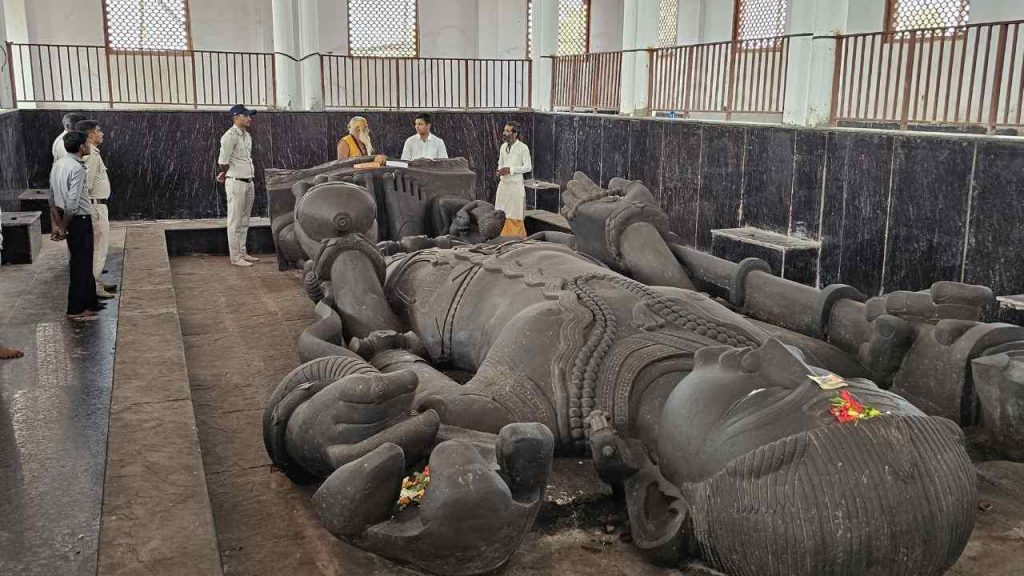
point(668, 19)
point(914, 14)
point(573, 27)
point(151, 25)
point(382, 28)
point(758, 19)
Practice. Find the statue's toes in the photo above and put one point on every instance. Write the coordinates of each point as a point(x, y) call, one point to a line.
point(362, 492)
point(472, 517)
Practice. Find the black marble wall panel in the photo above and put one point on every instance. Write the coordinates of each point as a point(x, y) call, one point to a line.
point(928, 212)
point(302, 139)
point(12, 161)
point(680, 177)
point(565, 148)
point(856, 198)
point(38, 130)
point(645, 153)
point(721, 179)
point(543, 146)
point(832, 199)
point(809, 151)
point(768, 178)
point(614, 148)
point(996, 230)
point(589, 138)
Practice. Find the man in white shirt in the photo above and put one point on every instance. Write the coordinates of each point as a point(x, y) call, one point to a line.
point(236, 171)
point(423, 144)
point(97, 186)
point(69, 121)
point(513, 162)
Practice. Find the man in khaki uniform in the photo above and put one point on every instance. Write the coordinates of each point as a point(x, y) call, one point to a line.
point(97, 186)
point(236, 171)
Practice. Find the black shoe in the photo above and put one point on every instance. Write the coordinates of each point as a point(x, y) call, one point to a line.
point(109, 287)
point(106, 271)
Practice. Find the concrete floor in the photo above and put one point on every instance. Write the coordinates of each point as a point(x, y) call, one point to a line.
point(184, 485)
point(54, 406)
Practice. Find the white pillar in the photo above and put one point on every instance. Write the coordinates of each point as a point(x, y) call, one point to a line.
point(639, 31)
point(6, 100)
point(812, 60)
point(289, 89)
point(309, 47)
point(545, 43)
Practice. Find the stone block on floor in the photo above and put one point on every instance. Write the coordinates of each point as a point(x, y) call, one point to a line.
point(790, 257)
point(37, 200)
point(23, 237)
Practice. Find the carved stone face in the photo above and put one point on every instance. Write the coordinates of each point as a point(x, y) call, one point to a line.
point(462, 223)
point(739, 399)
point(772, 477)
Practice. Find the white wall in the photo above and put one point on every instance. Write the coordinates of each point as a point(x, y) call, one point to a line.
point(333, 16)
point(501, 30)
point(606, 25)
point(448, 28)
point(216, 25)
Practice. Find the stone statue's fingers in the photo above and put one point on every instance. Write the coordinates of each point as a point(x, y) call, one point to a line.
point(375, 388)
point(362, 492)
point(414, 435)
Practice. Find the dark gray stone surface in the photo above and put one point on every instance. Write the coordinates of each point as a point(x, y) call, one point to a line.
point(808, 176)
point(54, 408)
point(12, 161)
point(931, 182)
point(681, 179)
point(768, 166)
point(615, 151)
point(721, 181)
point(214, 241)
point(996, 227)
point(855, 210)
point(565, 148)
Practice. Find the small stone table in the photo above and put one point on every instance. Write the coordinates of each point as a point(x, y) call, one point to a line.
point(23, 238)
point(542, 195)
point(38, 200)
point(1011, 309)
point(790, 257)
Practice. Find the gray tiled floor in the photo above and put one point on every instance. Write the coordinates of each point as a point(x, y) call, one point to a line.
point(54, 407)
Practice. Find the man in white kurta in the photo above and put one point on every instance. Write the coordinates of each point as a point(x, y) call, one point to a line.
point(513, 163)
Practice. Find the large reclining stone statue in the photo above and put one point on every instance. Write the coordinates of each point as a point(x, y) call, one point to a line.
point(387, 203)
point(743, 430)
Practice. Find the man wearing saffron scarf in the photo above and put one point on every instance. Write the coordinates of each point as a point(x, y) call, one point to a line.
point(358, 142)
point(513, 163)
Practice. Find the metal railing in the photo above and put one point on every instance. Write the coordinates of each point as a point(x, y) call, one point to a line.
point(970, 74)
point(50, 73)
point(740, 76)
point(398, 83)
point(587, 81)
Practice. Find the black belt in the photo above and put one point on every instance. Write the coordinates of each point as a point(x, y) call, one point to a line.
point(246, 180)
point(98, 200)
point(82, 216)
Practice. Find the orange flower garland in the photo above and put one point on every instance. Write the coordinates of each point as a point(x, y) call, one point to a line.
point(846, 408)
point(413, 488)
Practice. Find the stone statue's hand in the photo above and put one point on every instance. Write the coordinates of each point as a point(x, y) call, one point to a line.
point(355, 415)
point(472, 516)
point(943, 301)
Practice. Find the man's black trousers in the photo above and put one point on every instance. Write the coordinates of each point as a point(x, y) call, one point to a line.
point(82, 289)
